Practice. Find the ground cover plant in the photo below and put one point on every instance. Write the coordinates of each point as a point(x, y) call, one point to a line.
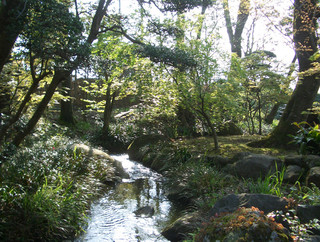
point(46, 188)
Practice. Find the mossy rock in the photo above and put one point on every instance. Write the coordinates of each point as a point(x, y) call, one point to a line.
point(229, 128)
point(245, 224)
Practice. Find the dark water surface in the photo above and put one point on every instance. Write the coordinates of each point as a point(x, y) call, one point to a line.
point(112, 217)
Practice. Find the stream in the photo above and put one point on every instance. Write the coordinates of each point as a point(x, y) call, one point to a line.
point(112, 217)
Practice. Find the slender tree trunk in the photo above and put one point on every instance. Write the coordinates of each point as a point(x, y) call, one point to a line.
point(259, 113)
point(17, 115)
point(235, 38)
point(209, 123)
point(271, 116)
point(59, 75)
point(66, 108)
point(212, 129)
point(108, 110)
point(32, 89)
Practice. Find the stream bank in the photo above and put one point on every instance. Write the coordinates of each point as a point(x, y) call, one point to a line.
point(203, 181)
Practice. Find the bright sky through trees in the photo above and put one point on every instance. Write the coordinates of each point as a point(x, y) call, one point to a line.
point(266, 32)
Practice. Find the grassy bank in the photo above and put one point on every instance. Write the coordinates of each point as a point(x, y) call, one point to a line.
point(46, 187)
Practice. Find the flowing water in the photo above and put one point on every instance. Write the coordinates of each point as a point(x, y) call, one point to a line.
point(112, 217)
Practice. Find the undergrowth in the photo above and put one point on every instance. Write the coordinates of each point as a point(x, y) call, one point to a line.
point(46, 188)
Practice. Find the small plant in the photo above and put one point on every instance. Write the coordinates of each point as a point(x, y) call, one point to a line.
point(271, 184)
point(304, 194)
point(299, 231)
point(308, 138)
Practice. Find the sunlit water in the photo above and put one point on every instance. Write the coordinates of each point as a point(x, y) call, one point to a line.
point(112, 217)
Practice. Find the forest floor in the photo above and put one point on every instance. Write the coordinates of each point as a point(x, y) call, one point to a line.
point(229, 146)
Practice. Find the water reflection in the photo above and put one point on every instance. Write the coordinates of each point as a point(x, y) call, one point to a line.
point(112, 217)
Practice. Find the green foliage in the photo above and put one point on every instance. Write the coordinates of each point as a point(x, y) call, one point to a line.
point(299, 231)
point(304, 194)
point(308, 138)
point(53, 32)
point(184, 5)
point(173, 57)
point(46, 188)
point(260, 85)
point(200, 182)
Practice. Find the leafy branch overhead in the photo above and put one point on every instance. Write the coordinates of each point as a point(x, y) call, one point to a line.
point(175, 57)
point(172, 57)
point(184, 5)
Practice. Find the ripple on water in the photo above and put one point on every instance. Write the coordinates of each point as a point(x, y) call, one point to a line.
point(112, 217)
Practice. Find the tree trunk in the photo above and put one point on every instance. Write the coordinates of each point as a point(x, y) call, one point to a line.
point(12, 20)
point(212, 129)
point(22, 106)
point(302, 99)
point(187, 122)
point(17, 115)
point(59, 75)
point(242, 17)
point(66, 109)
point(271, 116)
point(259, 113)
point(107, 110)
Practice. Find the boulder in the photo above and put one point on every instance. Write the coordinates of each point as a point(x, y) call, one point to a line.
point(244, 224)
point(179, 193)
point(217, 160)
point(312, 160)
point(264, 202)
point(293, 174)
point(89, 151)
point(146, 211)
point(240, 156)
point(229, 128)
point(135, 149)
point(313, 238)
point(306, 213)
point(296, 160)
point(314, 176)
point(119, 172)
point(180, 229)
point(255, 166)
point(305, 161)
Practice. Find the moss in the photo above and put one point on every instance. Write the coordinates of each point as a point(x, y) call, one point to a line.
point(229, 146)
